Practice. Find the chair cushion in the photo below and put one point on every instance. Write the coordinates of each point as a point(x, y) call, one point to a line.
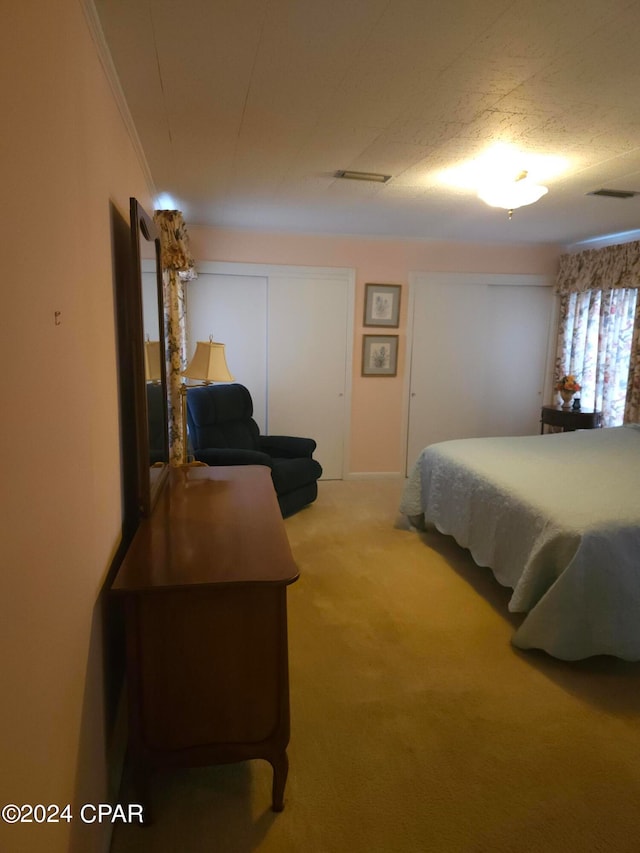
point(220, 416)
point(232, 456)
point(291, 474)
point(287, 446)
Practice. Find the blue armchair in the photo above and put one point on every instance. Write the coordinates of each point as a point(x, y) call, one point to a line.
point(156, 415)
point(222, 432)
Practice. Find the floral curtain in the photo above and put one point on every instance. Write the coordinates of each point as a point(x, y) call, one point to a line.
point(596, 330)
point(600, 327)
point(600, 269)
point(177, 268)
point(632, 408)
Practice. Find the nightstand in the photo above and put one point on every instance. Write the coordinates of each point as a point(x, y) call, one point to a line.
point(569, 419)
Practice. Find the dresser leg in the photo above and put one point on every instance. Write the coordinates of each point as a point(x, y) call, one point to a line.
point(280, 766)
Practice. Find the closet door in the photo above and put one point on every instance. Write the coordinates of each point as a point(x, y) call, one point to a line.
point(288, 335)
point(307, 362)
point(516, 358)
point(480, 346)
point(233, 308)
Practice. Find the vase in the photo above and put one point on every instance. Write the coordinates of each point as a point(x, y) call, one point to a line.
point(567, 397)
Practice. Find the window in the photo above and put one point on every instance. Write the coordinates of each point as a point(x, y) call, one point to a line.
point(595, 335)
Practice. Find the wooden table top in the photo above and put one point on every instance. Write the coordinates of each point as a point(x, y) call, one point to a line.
point(559, 408)
point(211, 525)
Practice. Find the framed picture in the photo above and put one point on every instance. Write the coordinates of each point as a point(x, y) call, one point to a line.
point(379, 355)
point(382, 305)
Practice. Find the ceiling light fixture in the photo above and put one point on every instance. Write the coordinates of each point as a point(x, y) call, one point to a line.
point(504, 176)
point(362, 176)
point(512, 194)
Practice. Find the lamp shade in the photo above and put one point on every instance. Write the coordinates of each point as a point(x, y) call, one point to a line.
point(209, 363)
point(511, 195)
point(152, 371)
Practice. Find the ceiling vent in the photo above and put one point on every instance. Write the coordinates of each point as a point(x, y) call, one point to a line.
point(614, 193)
point(362, 176)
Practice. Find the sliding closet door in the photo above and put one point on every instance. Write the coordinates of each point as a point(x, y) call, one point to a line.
point(307, 361)
point(233, 308)
point(447, 372)
point(520, 328)
point(288, 334)
point(480, 346)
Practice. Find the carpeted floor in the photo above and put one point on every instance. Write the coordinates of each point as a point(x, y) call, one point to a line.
point(416, 726)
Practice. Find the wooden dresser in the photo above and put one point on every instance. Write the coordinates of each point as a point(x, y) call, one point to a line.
point(205, 584)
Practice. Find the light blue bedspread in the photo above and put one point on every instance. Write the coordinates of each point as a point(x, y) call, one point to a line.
point(557, 519)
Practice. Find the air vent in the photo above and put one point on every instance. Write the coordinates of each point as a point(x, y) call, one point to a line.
point(615, 193)
point(362, 176)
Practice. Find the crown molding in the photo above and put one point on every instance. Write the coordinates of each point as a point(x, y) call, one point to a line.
point(106, 60)
point(604, 240)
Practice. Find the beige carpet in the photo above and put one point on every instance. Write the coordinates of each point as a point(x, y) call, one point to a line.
point(416, 726)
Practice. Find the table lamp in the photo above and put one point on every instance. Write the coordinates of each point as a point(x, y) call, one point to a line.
point(209, 364)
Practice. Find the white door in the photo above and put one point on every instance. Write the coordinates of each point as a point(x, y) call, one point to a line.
point(308, 325)
point(478, 357)
point(233, 308)
point(516, 358)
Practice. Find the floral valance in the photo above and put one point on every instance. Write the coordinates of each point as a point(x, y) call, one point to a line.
point(600, 269)
point(176, 253)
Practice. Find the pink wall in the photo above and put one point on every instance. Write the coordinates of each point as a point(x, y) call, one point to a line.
point(377, 416)
point(67, 163)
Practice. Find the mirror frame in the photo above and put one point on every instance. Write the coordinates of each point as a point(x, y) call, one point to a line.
point(151, 479)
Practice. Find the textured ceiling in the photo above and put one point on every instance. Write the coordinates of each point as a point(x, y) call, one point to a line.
point(246, 108)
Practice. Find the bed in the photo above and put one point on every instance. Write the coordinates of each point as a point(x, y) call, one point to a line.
point(557, 519)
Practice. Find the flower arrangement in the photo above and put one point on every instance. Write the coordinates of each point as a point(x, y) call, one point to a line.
point(568, 383)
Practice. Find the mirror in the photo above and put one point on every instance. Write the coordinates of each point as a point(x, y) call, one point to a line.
point(149, 359)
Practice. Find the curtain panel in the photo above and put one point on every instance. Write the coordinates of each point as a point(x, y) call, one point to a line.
point(632, 407)
point(613, 271)
point(595, 340)
point(177, 268)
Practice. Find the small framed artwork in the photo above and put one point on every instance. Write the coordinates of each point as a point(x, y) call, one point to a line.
point(379, 355)
point(382, 305)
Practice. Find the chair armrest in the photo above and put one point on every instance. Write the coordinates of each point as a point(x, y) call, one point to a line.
point(286, 446)
point(231, 456)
